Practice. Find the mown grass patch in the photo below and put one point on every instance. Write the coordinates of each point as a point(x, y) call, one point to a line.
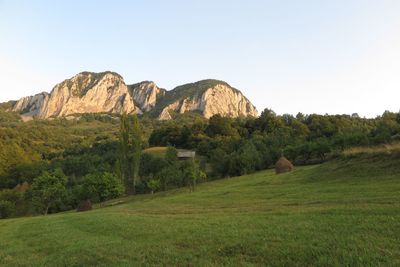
point(341, 213)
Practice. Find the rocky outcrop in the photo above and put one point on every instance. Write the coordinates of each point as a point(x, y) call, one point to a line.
point(31, 105)
point(107, 92)
point(85, 93)
point(146, 94)
point(210, 97)
point(90, 93)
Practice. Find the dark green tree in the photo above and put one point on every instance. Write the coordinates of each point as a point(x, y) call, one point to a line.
point(123, 159)
point(47, 190)
point(220, 126)
point(7, 209)
point(130, 149)
point(171, 155)
point(136, 151)
point(99, 187)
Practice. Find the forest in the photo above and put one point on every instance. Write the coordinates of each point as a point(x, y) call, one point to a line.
point(49, 166)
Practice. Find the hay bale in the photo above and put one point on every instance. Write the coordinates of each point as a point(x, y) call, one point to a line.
point(283, 165)
point(85, 205)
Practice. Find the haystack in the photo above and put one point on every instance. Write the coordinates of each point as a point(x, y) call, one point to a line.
point(283, 165)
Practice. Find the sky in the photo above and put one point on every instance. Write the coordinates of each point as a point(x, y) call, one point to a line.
point(310, 56)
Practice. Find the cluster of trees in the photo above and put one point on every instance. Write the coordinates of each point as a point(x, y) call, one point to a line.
point(53, 165)
point(42, 178)
point(53, 191)
point(163, 173)
point(244, 145)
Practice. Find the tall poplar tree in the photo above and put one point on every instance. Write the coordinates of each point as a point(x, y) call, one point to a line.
point(129, 152)
point(136, 151)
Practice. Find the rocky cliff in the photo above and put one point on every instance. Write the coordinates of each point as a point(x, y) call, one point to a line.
point(209, 97)
point(146, 94)
point(89, 92)
point(31, 105)
point(86, 92)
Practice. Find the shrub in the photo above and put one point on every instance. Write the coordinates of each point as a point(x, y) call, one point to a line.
point(99, 187)
point(6, 209)
point(154, 185)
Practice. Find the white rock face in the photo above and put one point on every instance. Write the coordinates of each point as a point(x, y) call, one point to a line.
point(145, 94)
point(107, 92)
point(86, 93)
point(31, 105)
point(165, 115)
point(219, 99)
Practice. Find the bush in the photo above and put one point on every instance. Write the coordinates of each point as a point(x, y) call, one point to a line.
point(6, 209)
point(99, 187)
point(154, 185)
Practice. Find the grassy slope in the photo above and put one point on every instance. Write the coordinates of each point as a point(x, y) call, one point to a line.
point(343, 213)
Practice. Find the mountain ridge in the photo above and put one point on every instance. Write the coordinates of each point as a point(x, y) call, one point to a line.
point(91, 92)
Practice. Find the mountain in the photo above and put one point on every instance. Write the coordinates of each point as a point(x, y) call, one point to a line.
point(209, 97)
point(146, 94)
point(86, 92)
point(89, 92)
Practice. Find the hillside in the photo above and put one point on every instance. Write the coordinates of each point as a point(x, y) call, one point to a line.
point(341, 213)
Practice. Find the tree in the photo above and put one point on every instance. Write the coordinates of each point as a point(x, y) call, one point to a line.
point(192, 173)
point(170, 175)
point(170, 134)
point(250, 158)
point(220, 126)
point(171, 155)
point(123, 162)
point(130, 149)
point(11, 156)
point(268, 121)
point(136, 151)
point(219, 162)
point(321, 148)
point(153, 185)
point(10, 201)
point(299, 129)
point(47, 189)
point(150, 165)
point(7, 209)
point(99, 187)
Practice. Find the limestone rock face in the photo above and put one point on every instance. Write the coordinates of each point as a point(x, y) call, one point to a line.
point(89, 92)
point(31, 105)
point(86, 92)
point(146, 94)
point(219, 98)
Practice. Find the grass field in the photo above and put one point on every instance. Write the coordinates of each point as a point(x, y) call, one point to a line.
point(341, 213)
point(156, 151)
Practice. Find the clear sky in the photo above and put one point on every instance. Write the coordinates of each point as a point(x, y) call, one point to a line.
point(335, 57)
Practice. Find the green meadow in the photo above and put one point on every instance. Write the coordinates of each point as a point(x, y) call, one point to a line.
point(341, 213)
